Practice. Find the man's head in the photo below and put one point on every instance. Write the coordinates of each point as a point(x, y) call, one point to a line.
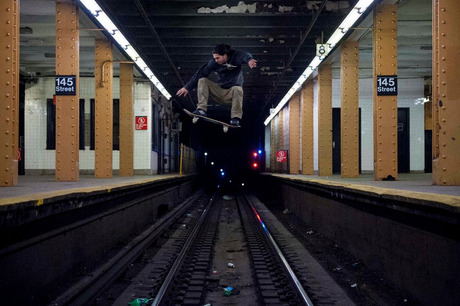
point(220, 53)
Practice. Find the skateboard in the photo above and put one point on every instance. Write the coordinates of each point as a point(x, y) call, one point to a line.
point(196, 117)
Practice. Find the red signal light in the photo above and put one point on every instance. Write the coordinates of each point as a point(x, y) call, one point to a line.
point(255, 165)
point(254, 154)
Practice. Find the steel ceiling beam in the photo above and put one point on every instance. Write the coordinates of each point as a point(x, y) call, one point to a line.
point(157, 38)
point(294, 54)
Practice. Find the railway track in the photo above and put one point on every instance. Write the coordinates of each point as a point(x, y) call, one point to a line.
point(217, 252)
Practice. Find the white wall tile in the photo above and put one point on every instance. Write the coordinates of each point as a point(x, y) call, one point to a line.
point(409, 90)
point(38, 158)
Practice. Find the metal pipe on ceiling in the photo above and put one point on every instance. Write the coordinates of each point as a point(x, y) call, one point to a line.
point(160, 44)
point(302, 40)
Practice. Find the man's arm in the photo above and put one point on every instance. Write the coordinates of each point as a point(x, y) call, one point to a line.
point(203, 72)
point(245, 57)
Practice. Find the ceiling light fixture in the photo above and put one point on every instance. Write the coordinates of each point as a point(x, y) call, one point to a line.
point(335, 38)
point(107, 23)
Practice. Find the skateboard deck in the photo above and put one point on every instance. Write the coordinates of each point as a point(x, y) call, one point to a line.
point(196, 117)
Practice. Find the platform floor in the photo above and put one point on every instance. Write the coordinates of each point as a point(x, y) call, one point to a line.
point(416, 182)
point(42, 186)
point(29, 185)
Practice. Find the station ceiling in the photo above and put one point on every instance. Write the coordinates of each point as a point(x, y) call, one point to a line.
point(176, 37)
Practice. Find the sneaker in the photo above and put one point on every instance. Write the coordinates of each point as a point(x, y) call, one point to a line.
point(200, 112)
point(235, 121)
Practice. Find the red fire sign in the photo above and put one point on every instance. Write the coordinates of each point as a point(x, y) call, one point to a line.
point(141, 122)
point(281, 156)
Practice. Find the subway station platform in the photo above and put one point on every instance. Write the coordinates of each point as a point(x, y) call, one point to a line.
point(418, 185)
point(407, 229)
point(38, 187)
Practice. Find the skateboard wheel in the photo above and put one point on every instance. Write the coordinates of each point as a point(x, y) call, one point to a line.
point(195, 120)
point(225, 129)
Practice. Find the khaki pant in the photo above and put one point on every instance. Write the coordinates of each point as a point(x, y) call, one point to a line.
point(233, 95)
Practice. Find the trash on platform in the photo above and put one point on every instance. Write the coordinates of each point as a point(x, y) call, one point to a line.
point(140, 302)
point(227, 197)
point(310, 232)
point(286, 211)
point(354, 285)
point(231, 265)
point(337, 269)
point(214, 271)
point(228, 291)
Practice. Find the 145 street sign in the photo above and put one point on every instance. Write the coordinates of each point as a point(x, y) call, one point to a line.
point(387, 85)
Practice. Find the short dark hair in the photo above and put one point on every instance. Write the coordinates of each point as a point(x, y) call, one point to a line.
point(221, 49)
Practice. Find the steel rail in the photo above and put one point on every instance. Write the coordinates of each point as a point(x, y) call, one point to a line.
point(86, 289)
point(179, 259)
point(304, 296)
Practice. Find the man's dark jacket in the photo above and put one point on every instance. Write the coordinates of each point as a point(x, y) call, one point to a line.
point(230, 73)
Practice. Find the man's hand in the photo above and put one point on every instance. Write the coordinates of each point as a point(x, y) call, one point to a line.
point(252, 63)
point(182, 91)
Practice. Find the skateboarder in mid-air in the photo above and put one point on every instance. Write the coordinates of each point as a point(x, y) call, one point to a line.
point(229, 89)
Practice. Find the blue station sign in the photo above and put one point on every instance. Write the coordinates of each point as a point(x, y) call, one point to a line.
point(387, 85)
point(66, 85)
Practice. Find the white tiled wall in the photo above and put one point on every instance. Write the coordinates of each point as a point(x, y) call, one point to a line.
point(38, 158)
point(315, 125)
point(286, 127)
point(267, 145)
point(409, 90)
point(143, 138)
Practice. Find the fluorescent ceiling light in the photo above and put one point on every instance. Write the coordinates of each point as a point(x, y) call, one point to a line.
point(338, 34)
point(105, 21)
